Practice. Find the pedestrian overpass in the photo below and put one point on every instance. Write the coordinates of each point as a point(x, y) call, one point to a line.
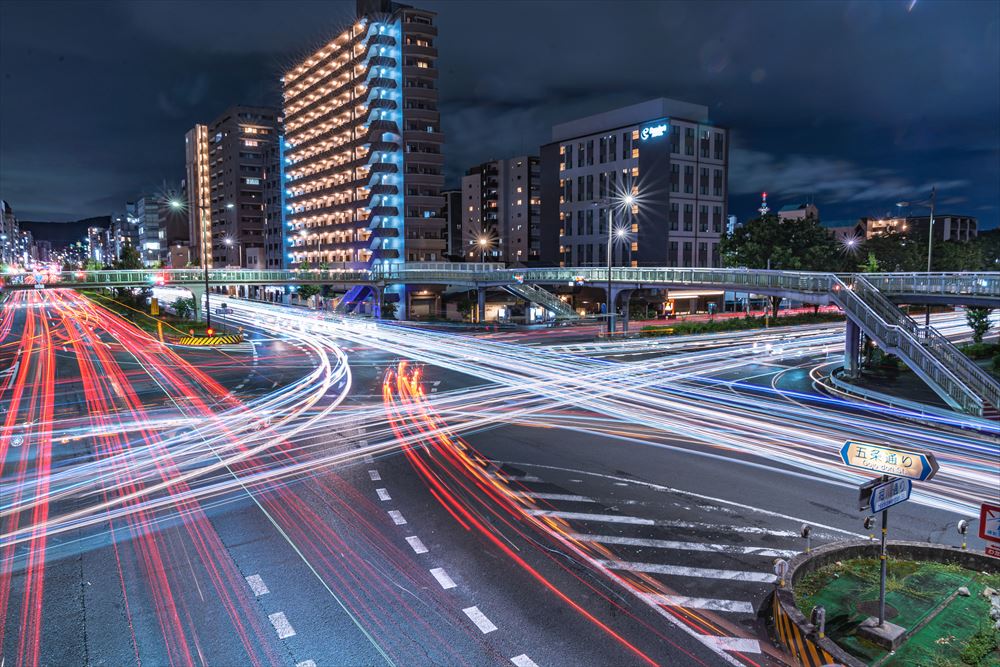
point(868, 300)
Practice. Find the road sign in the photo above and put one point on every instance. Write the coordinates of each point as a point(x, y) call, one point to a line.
point(989, 522)
point(892, 461)
point(993, 550)
point(224, 311)
point(890, 493)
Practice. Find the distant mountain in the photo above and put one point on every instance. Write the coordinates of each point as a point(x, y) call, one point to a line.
point(64, 233)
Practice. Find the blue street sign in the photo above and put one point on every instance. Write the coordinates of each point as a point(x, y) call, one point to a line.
point(887, 460)
point(890, 493)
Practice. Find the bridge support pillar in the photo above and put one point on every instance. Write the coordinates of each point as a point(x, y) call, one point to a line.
point(377, 301)
point(481, 304)
point(198, 293)
point(852, 349)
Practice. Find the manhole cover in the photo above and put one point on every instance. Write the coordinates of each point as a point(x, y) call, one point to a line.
point(870, 608)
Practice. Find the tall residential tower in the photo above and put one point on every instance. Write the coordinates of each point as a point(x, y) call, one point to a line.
point(363, 162)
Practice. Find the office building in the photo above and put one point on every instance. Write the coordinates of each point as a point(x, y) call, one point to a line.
point(798, 212)
point(275, 254)
point(947, 227)
point(501, 211)
point(10, 233)
point(452, 215)
point(665, 153)
point(363, 161)
point(225, 176)
point(146, 217)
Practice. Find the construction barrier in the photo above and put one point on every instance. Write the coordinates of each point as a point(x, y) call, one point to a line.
point(208, 341)
point(799, 646)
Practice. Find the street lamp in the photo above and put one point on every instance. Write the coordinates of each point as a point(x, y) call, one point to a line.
point(627, 200)
point(178, 205)
point(484, 242)
point(930, 241)
point(239, 244)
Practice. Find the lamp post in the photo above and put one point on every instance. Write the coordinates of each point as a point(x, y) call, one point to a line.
point(178, 205)
point(239, 245)
point(930, 243)
point(627, 200)
point(483, 243)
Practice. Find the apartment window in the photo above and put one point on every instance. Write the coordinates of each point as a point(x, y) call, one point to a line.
point(689, 179)
point(688, 217)
point(716, 261)
point(590, 222)
point(672, 257)
point(675, 177)
point(602, 221)
point(581, 194)
point(626, 144)
point(602, 190)
point(717, 219)
point(612, 147)
point(687, 253)
point(602, 150)
point(579, 223)
point(702, 219)
point(703, 254)
point(569, 189)
point(568, 151)
point(590, 153)
point(717, 183)
point(689, 141)
point(590, 187)
point(705, 138)
point(675, 139)
point(674, 216)
point(580, 155)
point(720, 145)
point(703, 181)
point(602, 254)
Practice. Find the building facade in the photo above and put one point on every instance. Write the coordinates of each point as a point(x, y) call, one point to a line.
point(798, 212)
point(501, 211)
point(10, 234)
point(363, 145)
point(225, 175)
point(668, 156)
point(452, 215)
point(275, 255)
point(146, 217)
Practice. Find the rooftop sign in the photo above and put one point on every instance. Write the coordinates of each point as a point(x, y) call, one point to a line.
point(655, 129)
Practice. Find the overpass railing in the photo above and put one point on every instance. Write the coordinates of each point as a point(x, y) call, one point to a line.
point(978, 284)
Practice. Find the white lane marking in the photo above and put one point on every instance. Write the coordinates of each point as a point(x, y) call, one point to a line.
point(523, 661)
point(443, 578)
point(686, 546)
point(712, 604)
point(281, 625)
point(660, 487)
point(418, 546)
point(558, 496)
point(520, 478)
point(639, 521)
point(306, 663)
point(397, 517)
point(582, 516)
point(375, 476)
point(737, 644)
point(367, 458)
point(484, 624)
point(683, 571)
point(383, 494)
point(257, 585)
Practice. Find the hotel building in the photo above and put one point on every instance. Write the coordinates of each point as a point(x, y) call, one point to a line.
point(362, 147)
point(668, 155)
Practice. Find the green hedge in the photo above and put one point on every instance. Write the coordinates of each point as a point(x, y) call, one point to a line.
point(683, 328)
point(981, 350)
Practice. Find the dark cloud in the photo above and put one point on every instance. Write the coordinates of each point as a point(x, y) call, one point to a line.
point(853, 104)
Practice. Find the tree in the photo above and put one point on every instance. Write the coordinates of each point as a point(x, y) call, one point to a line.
point(871, 265)
point(957, 256)
point(978, 319)
point(898, 252)
point(989, 246)
point(184, 308)
point(130, 259)
point(787, 245)
point(388, 309)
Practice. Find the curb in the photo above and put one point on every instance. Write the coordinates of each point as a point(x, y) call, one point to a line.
point(801, 638)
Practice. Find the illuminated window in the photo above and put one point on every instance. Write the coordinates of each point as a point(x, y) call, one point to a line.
point(635, 152)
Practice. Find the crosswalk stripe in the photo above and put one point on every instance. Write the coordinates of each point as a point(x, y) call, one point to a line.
point(443, 578)
point(686, 546)
point(736, 644)
point(484, 624)
point(712, 604)
point(639, 521)
point(569, 497)
point(683, 571)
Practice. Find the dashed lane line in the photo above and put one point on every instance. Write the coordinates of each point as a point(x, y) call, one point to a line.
point(523, 661)
point(732, 549)
point(684, 571)
point(569, 497)
point(443, 578)
point(375, 476)
point(281, 625)
point(306, 663)
point(484, 624)
point(257, 585)
point(383, 494)
point(416, 544)
point(397, 517)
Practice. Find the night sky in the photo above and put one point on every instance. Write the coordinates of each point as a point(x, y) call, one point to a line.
point(853, 104)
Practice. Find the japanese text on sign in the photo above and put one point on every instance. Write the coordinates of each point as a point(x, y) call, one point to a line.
point(889, 460)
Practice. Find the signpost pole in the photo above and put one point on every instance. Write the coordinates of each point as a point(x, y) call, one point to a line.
point(882, 557)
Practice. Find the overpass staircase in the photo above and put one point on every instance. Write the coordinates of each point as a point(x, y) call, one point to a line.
point(543, 298)
point(952, 375)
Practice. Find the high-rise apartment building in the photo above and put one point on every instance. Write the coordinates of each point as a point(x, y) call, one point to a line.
point(232, 149)
point(10, 232)
point(363, 161)
point(501, 211)
point(146, 217)
point(452, 215)
point(665, 153)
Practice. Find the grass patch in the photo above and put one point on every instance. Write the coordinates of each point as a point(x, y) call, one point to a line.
point(979, 647)
point(173, 326)
point(735, 324)
point(981, 350)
